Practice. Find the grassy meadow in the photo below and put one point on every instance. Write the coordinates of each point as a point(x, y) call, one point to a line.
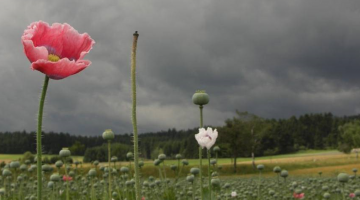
point(302, 163)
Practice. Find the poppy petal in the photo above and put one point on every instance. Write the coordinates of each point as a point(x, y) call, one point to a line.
point(43, 35)
point(61, 69)
point(75, 45)
point(34, 53)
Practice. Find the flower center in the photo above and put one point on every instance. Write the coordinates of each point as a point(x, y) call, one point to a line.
point(208, 136)
point(53, 58)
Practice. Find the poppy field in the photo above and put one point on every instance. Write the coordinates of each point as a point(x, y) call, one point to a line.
point(176, 179)
point(58, 51)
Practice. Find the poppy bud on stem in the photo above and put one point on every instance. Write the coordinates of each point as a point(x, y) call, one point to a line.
point(38, 136)
point(201, 98)
point(136, 148)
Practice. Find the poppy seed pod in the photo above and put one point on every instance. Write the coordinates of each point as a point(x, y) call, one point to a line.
point(59, 164)
point(129, 155)
point(46, 168)
point(15, 164)
point(96, 163)
point(23, 167)
point(194, 170)
point(141, 163)
point(2, 191)
point(157, 162)
point(260, 167)
point(173, 167)
point(215, 182)
point(145, 183)
point(284, 173)
point(151, 178)
point(213, 161)
point(216, 149)
point(200, 98)
point(277, 169)
point(190, 178)
point(178, 156)
point(114, 159)
point(64, 152)
point(55, 177)
point(6, 172)
point(326, 195)
point(343, 177)
point(50, 184)
point(162, 157)
point(92, 172)
point(72, 173)
point(108, 134)
point(355, 170)
point(124, 169)
point(185, 162)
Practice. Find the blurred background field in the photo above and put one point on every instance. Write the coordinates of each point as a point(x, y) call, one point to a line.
point(302, 163)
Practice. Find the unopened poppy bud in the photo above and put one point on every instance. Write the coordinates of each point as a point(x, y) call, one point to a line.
point(108, 135)
point(200, 98)
point(65, 152)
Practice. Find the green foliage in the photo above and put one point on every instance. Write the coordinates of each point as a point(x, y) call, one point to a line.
point(100, 153)
point(350, 136)
point(77, 148)
point(27, 156)
point(270, 136)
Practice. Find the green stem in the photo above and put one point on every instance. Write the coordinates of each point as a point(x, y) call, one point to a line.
point(165, 181)
point(258, 197)
point(136, 148)
point(109, 152)
point(193, 190)
point(67, 181)
point(38, 137)
point(343, 191)
point(209, 155)
point(178, 171)
point(200, 155)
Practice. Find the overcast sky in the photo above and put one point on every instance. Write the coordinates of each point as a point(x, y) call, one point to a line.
point(273, 58)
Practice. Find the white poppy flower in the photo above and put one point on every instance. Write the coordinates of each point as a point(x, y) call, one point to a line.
point(206, 138)
point(233, 194)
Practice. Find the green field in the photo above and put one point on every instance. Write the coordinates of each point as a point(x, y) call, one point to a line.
point(11, 157)
point(329, 162)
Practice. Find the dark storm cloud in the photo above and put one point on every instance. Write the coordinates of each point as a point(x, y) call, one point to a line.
point(274, 58)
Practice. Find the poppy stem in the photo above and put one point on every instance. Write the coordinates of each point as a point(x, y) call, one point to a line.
point(200, 155)
point(38, 137)
point(109, 169)
point(136, 148)
point(66, 180)
point(209, 173)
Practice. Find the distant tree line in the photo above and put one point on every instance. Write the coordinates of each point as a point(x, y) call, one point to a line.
point(244, 135)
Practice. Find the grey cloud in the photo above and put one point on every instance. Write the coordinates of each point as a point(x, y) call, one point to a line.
point(275, 58)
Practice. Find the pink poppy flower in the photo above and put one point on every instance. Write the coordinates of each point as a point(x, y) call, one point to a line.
point(299, 196)
point(352, 195)
point(67, 178)
point(57, 50)
point(142, 198)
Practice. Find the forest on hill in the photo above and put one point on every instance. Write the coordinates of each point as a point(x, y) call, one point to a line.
point(243, 135)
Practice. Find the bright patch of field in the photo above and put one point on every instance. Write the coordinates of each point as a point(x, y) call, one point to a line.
point(10, 157)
